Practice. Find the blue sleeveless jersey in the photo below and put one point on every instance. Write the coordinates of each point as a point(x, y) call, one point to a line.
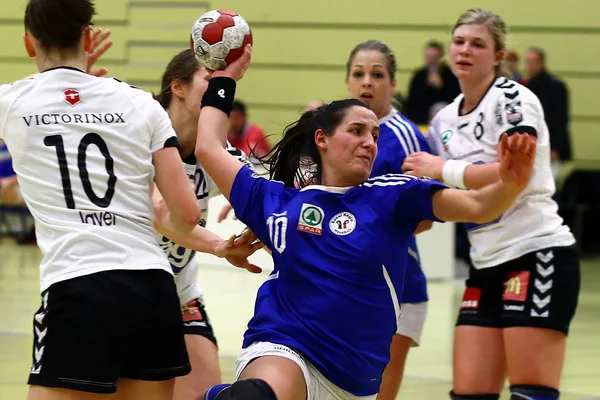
point(330, 295)
point(398, 138)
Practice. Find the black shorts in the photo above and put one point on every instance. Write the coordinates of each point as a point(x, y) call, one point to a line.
point(539, 289)
point(92, 330)
point(196, 322)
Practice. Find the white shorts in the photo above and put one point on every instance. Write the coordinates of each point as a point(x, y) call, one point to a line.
point(412, 320)
point(317, 386)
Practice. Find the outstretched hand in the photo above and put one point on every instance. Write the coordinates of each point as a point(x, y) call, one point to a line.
point(517, 155)
point(236, 251)
point(99, 46)
point(238, 68)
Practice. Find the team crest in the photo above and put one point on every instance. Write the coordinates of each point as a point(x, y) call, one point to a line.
point(72, 96)
point(342, 224)
point(514, 113)
point(311, 219)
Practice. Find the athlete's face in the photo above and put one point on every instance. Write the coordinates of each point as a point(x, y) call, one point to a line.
point(370, 82)
point(472, 53)
point(349, 153)
point(194, 91)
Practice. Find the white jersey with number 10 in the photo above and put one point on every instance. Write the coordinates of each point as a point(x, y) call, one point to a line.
point(82, 149)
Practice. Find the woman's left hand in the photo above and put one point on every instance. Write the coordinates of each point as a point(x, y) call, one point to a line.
point(236, 250)
point(99, 46)
point(517, 156)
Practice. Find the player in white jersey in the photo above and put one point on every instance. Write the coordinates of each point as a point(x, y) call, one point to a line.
point(302, 342)
point(87, 151)
point(183, 84)
point(522, 293)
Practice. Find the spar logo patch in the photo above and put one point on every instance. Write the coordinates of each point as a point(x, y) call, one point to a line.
point(446, 136)
point(311, 219)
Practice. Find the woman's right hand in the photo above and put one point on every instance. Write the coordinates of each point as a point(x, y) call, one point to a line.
point(238, 68)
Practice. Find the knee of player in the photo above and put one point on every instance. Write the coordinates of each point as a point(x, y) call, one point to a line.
point(248, 389)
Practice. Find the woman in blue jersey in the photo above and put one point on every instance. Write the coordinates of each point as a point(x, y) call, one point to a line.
point(183, 84)
point(324, 319)
point(370, 77)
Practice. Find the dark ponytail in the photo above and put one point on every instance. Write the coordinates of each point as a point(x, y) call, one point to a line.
point(296, 160)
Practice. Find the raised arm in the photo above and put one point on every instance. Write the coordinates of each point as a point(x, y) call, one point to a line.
point(488, 203)
point(213, 125)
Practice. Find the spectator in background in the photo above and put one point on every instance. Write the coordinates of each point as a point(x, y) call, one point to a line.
point(554, 96)
point(435, 108)
point(431, 84)
point(247, 137)
point(512, 65)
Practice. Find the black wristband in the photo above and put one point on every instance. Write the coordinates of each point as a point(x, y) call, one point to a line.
point(220, 94)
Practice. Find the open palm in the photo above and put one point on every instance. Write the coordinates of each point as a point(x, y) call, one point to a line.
point(517, 155)
point(100, 45)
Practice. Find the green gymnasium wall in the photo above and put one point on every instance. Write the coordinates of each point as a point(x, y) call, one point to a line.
point(300, 47)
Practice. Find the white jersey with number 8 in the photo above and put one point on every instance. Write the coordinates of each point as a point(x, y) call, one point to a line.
point(532, 223)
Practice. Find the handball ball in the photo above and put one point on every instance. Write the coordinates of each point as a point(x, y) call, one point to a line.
point(218, 38)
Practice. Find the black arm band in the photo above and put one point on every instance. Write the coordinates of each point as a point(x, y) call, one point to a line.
point(171, 142)
point(220, 94)
point(522, 129)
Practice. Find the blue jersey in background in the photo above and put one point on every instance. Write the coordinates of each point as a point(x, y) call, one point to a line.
point(398, 138)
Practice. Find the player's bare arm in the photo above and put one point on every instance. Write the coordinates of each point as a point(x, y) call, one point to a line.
point(425, 164)
point(235, 250)
point(212, 133)
point(486, 204)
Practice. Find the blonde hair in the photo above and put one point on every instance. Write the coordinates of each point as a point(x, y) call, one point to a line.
point(495, 26)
